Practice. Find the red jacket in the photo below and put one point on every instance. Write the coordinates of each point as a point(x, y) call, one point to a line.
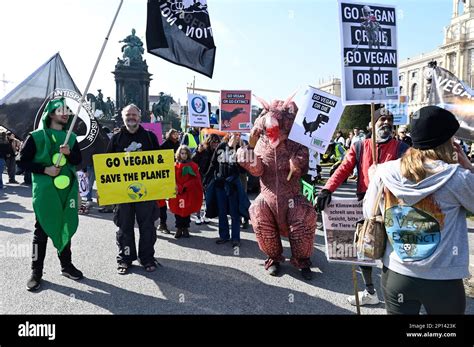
point(391, 150)
point(189, 197)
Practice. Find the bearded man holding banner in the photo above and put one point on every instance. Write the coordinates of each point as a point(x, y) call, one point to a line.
point(55, 188)
point(133, 137)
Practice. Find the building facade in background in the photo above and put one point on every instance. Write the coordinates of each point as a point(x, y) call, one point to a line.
point(456, 54)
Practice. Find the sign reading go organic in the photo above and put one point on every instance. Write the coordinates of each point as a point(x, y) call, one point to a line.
point(135, 176)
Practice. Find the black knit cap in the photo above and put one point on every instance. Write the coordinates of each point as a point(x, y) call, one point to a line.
point(432, 126)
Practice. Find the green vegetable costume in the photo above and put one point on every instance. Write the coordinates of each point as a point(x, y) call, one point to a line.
point(56, 209)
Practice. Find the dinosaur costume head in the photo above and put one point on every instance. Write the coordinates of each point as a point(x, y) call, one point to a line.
point(275, 121)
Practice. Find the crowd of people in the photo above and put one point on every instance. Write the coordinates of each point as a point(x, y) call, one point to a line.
point(426, 173)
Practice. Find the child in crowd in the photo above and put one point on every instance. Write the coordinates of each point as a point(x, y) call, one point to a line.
point(189, 191)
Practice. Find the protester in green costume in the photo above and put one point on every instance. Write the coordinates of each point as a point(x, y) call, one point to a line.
point(55, 189)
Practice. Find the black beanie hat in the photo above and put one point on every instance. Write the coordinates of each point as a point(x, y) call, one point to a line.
point(432, 126)
point(382, 111)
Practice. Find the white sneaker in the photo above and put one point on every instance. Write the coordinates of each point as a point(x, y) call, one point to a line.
point(198, 221)
point(365, 298)
point(205, 220)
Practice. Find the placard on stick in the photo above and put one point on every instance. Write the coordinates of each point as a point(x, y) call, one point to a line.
point(135, 176)
point(369, 51)
point(236, 110)
point(317, 120)
point(339, 219)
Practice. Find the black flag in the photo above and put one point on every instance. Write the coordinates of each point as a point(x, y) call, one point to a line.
point(18, 108)
point(180, 32)
point(21, 109)
point(450, 93)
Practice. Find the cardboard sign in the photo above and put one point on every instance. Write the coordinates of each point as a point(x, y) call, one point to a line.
point(339, 219)
point(317, 120)
point(156, 129)
point(83, 181)
point(369, 51)
point(135, 176)
point(236, 111)
point(198, 111)
point(399, 110)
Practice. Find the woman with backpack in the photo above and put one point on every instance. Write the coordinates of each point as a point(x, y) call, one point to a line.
point(426, 194)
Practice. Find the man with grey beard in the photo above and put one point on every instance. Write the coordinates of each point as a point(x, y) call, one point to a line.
point(360, 156)
point(132, 137)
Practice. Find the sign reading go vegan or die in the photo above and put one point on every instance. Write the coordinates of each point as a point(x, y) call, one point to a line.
point(135, 176)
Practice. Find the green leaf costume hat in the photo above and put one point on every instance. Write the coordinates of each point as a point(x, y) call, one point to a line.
point(56, 209)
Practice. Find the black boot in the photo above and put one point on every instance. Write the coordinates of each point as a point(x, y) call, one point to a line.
point(306, 273)
point(178, 233)
point(34, 283)
point(164, 229)
point(70, 271)
point(186, 232)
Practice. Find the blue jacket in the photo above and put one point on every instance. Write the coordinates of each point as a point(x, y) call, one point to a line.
point(231, 183)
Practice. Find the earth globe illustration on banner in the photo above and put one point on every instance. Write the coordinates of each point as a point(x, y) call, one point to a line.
point(136, 191)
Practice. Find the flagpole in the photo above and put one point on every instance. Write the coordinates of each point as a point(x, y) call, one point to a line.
point(374, 144)
point(89, 82)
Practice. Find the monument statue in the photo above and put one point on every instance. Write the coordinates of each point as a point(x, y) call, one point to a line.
point(132, 77)
point(99, 100)
point(103, 110)
point(132, 51)
point(110, 108)
point(161, 108)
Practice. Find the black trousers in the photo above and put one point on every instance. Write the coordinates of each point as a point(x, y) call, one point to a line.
point(405, 294)
point(163, 214)
point(182, 222)
point(40, 240)
point(145, 213)
point(11, 168)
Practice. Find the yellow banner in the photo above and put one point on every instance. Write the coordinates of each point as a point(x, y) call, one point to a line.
point(134, 176)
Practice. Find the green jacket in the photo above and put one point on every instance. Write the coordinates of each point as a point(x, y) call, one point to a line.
point(56, 209)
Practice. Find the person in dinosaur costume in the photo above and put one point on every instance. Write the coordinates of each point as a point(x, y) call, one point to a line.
point(55, 188)
point(280, 209)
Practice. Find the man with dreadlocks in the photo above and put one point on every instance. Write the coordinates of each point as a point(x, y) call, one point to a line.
point(280, 209)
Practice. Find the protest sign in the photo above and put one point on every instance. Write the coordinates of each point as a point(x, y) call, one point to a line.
point(135, 176)
point(339, 219)
point(316, 121)
point(369, 51)
point(308, 190)
point(83, 181)
point(399, 110)
point(198, 111)
point(449, 92)
point(156, 129)
point(236, 110)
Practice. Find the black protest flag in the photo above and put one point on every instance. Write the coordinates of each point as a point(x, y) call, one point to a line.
point(18, 108)
point(21, 109)
point(181, 33)
point(450, 93)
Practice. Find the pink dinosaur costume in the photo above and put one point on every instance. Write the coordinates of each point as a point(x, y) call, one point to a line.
point(280, 209)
